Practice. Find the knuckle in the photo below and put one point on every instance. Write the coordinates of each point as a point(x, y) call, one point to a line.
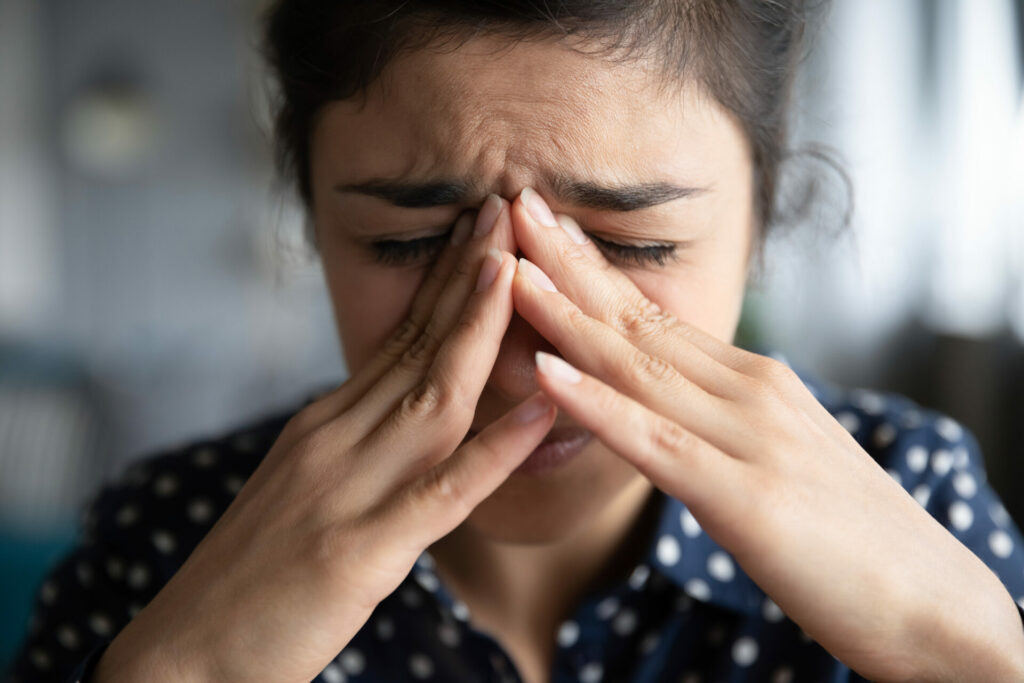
point(422, 350)
point(642, 321)
point(406, 333)
point(648, 369)
point(668, 437)
point(445, 492)
point(429, 401)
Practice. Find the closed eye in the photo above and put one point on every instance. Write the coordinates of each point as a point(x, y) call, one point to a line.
point(638, 255)
point(407, 252)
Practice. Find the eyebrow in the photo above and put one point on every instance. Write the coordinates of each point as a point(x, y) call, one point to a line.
point(580, 193)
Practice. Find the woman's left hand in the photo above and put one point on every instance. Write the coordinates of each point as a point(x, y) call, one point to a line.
point(765, 469)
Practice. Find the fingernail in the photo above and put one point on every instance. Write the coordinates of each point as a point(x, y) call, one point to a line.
point(535, 408)
point(536, 276)
point(488, 215)
point(489, 269)
point(538, 208)
point(460, 231)
point(572, 228)
point(556, 368)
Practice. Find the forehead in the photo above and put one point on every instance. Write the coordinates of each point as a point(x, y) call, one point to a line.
point(506, 113)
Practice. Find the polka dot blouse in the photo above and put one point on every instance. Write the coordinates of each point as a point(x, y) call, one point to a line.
point(686, 613)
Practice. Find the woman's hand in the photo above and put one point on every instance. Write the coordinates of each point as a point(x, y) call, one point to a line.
point(357, 485)
point(765, 469)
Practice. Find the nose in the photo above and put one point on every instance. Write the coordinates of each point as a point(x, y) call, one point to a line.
point(512, 377)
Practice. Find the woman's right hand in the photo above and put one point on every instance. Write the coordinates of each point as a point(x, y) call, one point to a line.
point(356, 486)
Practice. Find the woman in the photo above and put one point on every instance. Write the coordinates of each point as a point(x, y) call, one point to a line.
point(550, 461)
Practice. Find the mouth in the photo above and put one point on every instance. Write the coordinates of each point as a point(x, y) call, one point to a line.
point(559, 447)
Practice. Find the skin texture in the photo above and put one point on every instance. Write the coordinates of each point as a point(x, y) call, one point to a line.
point(501, 119)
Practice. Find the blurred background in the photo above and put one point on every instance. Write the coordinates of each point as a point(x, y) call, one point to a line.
point(155, 286)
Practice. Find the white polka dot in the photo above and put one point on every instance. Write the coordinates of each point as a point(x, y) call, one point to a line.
point(591, 672)
point(200, 510)
point(607, 608)
point(233, 483)
point(917, 458)
point(425, 561)
point(850, 422)
point(164, 541)
point(961, 458)
point(965, 484)
point(720, 566)
point(691, 527)
point(884, 435)
point(448, 634)
point(961, 516)
point(352, 661)
point(100, 624)
point(1000, 543)
point(942, 462)
point(204, 457)
point(332, 674)
point(84, 573)
point(41, 659)
point(138, 577)
point(421, 666)
point(127, 515)
point(625, 622)
point(639, 576)
point(668, 550)
point(911, 419)
point(48, 592)
point(427, 580)
point(922, 493)
point(385, 628)
point(568, 633)
point(744, 651)
point(771, 612)
point(683, 602)
point(783, 675)
point(460, 611)
point(999, 514)
point(68, 637)
point(948, 429)
point(115, 568)
point(650, 643)
point(411, 597)
point(1020, 601)
point(896, 476)
point(699, 589)
point(870, 402)
point(165, 485)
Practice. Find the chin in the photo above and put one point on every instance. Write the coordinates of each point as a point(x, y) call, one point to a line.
point(556, 505)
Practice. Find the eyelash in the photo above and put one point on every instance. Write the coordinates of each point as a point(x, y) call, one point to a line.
point(405, 252)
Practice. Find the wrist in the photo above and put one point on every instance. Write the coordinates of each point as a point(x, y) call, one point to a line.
point(973, 634)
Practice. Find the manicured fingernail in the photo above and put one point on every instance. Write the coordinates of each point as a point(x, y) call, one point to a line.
point(535, 408)
point(488, 215)
point(572, 228)
point(536, 276)
point(489, 269)
point(538, 208)
point(460, 232)
point(556, 368)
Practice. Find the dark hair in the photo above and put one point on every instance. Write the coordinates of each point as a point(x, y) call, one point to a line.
point(744, 53)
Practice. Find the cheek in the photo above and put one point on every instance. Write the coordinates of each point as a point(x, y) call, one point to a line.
point(369, 304)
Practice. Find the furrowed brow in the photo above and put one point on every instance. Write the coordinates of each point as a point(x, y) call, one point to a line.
point(412, 195)
point(627, 197)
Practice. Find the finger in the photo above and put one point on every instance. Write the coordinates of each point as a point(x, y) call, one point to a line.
point(434, 416)
point(442, 497)
point(601, 351)
point(580, 270)
point(339, 399)
point(673, 458)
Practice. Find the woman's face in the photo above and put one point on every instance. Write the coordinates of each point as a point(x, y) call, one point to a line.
point(496, 117)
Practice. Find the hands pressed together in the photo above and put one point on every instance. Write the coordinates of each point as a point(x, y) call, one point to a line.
point(360, 482)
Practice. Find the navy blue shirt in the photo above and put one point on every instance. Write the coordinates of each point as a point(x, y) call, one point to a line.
point(686, 613)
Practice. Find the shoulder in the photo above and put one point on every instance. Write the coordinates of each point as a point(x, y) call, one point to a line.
point(162, 504)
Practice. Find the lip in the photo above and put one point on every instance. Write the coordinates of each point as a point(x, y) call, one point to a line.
point(561, 445)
